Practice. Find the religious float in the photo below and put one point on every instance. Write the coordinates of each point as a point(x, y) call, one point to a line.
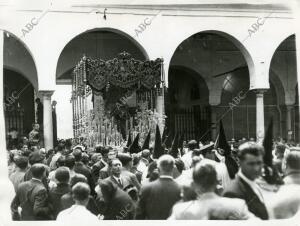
point(117, 98)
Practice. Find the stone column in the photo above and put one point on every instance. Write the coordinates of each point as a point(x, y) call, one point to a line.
point(213, 122)
point(6, 188)
point(289, 121)
point(160, 111)
point(260, 115)
point(297, 29)
point(48, 124)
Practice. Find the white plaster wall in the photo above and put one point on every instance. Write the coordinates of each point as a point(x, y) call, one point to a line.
point(160, 39)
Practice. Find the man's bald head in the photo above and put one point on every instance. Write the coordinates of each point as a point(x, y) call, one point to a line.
point(166, 165)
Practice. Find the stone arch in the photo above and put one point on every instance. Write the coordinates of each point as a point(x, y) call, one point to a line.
point(229, 37)
point(109, 29)
point(29, 72)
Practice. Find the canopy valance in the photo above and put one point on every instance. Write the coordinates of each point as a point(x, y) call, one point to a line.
point(122, 72)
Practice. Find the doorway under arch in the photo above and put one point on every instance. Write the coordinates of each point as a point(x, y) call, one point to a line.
point(19, 108)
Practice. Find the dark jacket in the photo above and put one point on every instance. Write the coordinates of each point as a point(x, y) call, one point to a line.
point(157, 199)
point(125, 179)
point(103, 173)
point(28, 176)
point(240, 189)
point(84, 170)
point(55, 195)
point(130, 178)
point(119, 207)
point(32, 197)
point(95, 170)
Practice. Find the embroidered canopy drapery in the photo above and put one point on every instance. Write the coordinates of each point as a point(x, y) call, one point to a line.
point(122, 72)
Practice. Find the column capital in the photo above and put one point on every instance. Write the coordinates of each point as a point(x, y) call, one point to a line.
point(260, 91)
point(46, 94)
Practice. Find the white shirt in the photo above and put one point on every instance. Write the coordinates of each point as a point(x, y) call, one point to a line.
point(77, 214)
point(220, 157)
point(187, 159)
point(54, 159)
point(254, 186)
point(119, 180)
point(166, 176)
point(142, 166)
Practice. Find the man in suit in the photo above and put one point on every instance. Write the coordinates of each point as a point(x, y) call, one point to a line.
point(127, 163)
point(83, 169)
point(115, 168)
point(208, 204)
point(62, 177)
point(97, 164)
point(279, 153)
point(158, 197)
point(37, 157)
point(244, 186)
point(32, 197)
point(286, 202)
point(17, 176)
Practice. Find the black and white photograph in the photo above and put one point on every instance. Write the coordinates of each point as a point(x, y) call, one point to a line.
point(149, 110)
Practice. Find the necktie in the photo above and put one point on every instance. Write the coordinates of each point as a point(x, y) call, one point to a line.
point(120, 182)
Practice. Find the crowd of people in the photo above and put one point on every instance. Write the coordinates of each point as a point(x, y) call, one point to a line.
point(248, 180)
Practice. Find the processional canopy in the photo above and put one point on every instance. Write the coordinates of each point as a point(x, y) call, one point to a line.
point(114, 80)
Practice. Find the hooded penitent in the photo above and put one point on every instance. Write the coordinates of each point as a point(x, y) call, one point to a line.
point(147, 141)
point(271, 174)
point(230, 163)
point(134, 147)
point(168, 141)
point(129, 141)
point(158, 149)
point(164, 135)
